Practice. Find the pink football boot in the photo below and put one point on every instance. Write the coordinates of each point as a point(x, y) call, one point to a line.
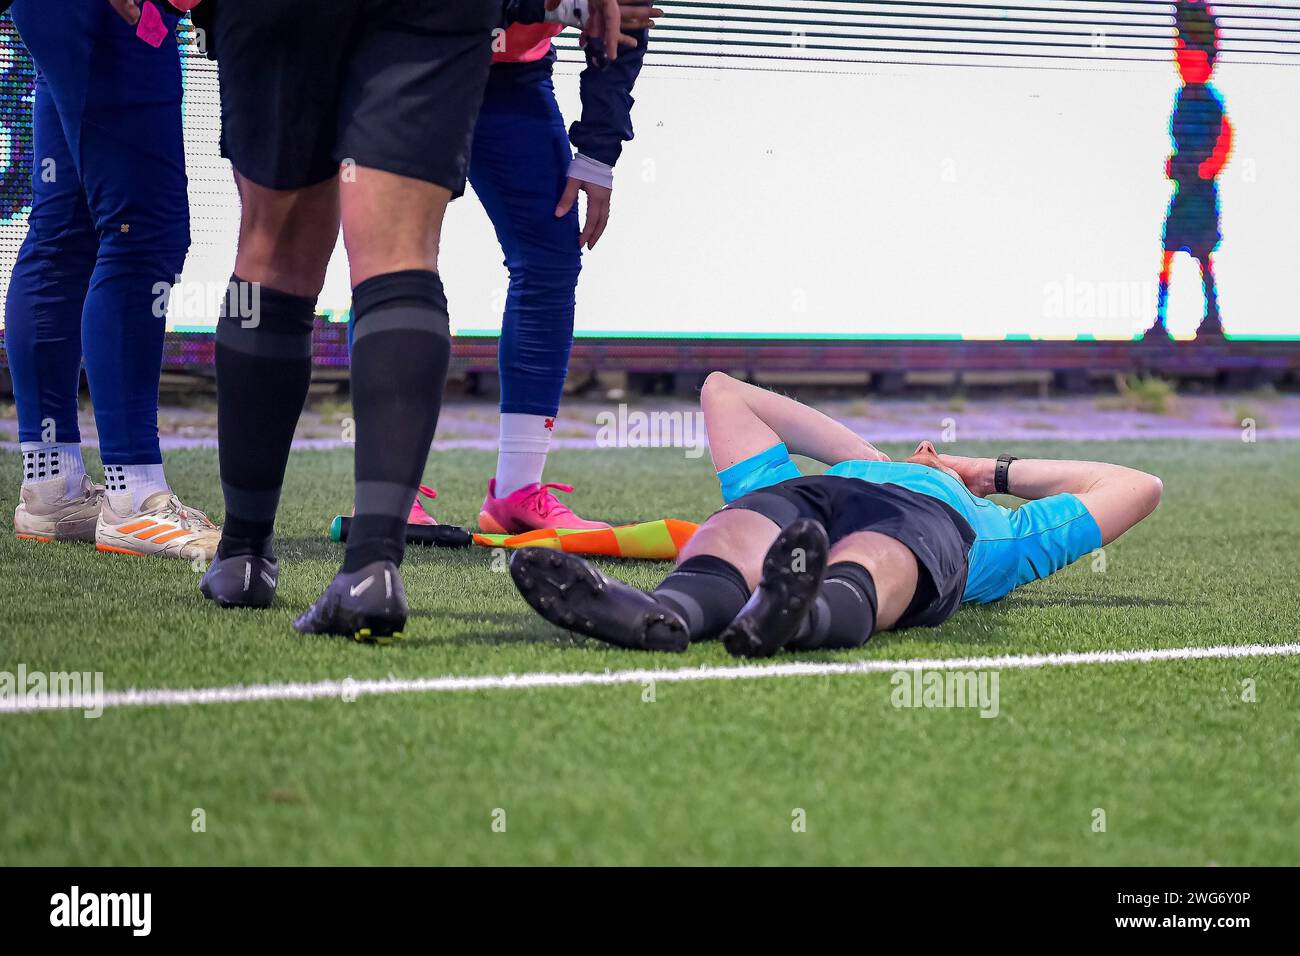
point(528, 509)
point(418, 514)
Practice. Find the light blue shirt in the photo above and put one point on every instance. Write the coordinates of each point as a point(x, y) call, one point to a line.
point(1012, 546)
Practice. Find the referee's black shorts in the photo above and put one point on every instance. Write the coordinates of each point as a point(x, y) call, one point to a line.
point(940, 538)
point(394, 85)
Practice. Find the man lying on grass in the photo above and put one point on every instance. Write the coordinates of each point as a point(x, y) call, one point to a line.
point(868, 546)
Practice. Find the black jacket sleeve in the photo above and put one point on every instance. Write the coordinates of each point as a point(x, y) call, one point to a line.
point(606, 121)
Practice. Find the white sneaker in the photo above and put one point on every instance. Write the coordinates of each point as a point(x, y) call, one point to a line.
point(46, 512)
point(163, 526)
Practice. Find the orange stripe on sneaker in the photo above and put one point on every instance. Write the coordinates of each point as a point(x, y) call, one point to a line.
point(169, 535)
point(135, 527)
point(112, 550)
point(148, 533)
point(33, 537)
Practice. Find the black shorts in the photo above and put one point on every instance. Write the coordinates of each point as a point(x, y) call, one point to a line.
point(940, 538)
point(393, 85)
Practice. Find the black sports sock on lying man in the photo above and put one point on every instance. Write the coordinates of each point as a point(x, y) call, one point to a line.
point(844, 613)
point(707, 592)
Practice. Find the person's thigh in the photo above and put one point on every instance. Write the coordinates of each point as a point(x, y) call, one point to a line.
point(892, 566)
point(936, 539)
point(518, 168)
point(60, 45)
point(747, 526)
point(131, 152)
point(59, 223)
point(738, 536)
point(117, 101)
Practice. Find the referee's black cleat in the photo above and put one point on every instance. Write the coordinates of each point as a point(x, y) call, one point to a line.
point(792, 575)
point(241, 580)
point(570, 593)
point(367, 605)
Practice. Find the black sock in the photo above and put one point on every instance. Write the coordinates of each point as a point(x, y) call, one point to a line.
point(400, 349)
point(844, 614)
point(263, 371)
point(707, 592)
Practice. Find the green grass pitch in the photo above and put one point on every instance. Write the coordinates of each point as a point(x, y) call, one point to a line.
point(1185, 769)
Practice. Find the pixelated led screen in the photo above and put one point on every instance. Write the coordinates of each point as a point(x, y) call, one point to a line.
point(816, 169)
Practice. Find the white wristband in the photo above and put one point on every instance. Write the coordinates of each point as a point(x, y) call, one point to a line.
point(572, 13)
point(592, 171)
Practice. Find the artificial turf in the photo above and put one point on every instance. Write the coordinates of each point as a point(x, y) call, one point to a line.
point(1186, 770)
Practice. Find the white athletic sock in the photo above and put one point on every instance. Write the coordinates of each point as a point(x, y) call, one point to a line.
point(129, 485)
point(525, 440)
point(46, 461)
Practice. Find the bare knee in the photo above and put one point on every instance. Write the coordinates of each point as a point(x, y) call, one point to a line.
point(286, 237)
point(739, 537)
point(716, 381)
point(717, 385)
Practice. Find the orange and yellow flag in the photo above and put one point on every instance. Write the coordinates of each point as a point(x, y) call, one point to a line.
point(651, 540)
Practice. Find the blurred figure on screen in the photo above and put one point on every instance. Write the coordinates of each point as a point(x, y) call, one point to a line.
point(1202, 141)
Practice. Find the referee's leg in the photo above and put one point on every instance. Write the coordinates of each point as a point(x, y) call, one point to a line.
point(401, 346)
point(412, 87)
point(263, 355)
point(406, 157)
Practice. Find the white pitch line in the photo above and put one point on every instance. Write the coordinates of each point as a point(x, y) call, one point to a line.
point(240, 693)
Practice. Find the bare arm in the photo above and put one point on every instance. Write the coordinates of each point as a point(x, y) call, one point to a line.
point(743, 420)
point(1117, 497)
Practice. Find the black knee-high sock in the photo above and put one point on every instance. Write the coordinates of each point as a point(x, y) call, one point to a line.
point(400, 349)
point(844, 614)
point(263, 371)
point(707, 592)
